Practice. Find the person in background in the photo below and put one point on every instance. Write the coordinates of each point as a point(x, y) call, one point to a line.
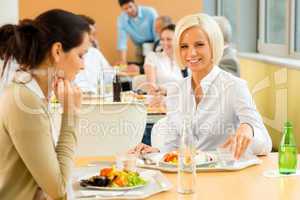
point(160, 23)
point(93, 32)
point(219, 104)
point(49, 50)
point(137, 22)
point(229, 62)
point(96, 65)
point(161, 70)
point(160, 67)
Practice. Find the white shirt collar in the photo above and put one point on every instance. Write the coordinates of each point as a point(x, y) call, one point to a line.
point(207, 80)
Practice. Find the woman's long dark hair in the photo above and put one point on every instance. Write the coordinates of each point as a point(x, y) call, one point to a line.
point(30, 41)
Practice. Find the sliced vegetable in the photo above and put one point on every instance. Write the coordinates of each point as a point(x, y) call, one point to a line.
point(106, 171)
point(111, 177)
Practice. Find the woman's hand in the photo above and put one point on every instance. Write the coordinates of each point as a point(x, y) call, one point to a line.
point(152, 89)
point(156, 90)
point(68, 95)
point(157, 101)
point(239, 142)
point(143, 149)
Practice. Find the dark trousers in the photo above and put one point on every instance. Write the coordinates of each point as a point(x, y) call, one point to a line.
point(147, 134)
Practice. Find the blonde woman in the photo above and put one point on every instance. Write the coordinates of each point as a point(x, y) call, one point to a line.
point(221, 105)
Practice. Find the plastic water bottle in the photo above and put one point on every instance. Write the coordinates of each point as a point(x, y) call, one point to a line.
point(287, 151)
point(186, 177)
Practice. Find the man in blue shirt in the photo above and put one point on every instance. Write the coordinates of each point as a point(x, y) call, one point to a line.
point(137, 22)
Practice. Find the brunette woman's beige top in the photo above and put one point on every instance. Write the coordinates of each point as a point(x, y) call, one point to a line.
point(30, 163)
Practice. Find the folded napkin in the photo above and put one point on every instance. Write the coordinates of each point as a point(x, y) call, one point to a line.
point(274, 173)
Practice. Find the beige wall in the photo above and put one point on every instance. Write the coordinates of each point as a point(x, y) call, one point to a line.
point(276, 93)
point(105, 13)
point(9, 12)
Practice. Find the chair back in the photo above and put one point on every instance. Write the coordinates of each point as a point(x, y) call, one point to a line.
point(108, 129)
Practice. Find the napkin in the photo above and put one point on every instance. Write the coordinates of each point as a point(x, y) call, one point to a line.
point(274, 173)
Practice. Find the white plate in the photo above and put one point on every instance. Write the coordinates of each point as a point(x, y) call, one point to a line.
point(156, 183)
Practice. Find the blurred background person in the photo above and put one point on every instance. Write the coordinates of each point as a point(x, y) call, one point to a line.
point(93, 32)
point(160, 67)
point(138, 23)
point(160, 23)
point(229, 62)
point(96, 65)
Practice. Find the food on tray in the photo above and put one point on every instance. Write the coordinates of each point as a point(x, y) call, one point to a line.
point(201, 157)
point(171, 157)
point(111, 177)
point(140, 96)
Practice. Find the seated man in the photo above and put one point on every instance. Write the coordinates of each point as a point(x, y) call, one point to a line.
point(96, 69)
point(93, 31)
point(95, 66)
point(229, 62)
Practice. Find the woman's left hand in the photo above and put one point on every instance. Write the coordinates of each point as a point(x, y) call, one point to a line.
point(157, 101)
point(239, 142)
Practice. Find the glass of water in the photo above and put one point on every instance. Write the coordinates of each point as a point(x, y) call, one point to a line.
point(186, 177)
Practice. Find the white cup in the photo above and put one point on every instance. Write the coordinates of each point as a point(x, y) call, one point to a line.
point(126, 162)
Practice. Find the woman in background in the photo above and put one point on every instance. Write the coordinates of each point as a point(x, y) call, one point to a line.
point(160, 23)
point(49, 50)
point(160, 67)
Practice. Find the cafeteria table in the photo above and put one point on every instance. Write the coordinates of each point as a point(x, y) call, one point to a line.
point(247, 184)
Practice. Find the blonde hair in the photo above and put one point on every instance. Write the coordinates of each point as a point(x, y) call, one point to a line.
point(209, 26)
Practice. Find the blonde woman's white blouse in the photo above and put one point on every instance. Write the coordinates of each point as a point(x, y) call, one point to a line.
point(226, 103)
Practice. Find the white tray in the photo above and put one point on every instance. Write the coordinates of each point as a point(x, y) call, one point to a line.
point(213, 166)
